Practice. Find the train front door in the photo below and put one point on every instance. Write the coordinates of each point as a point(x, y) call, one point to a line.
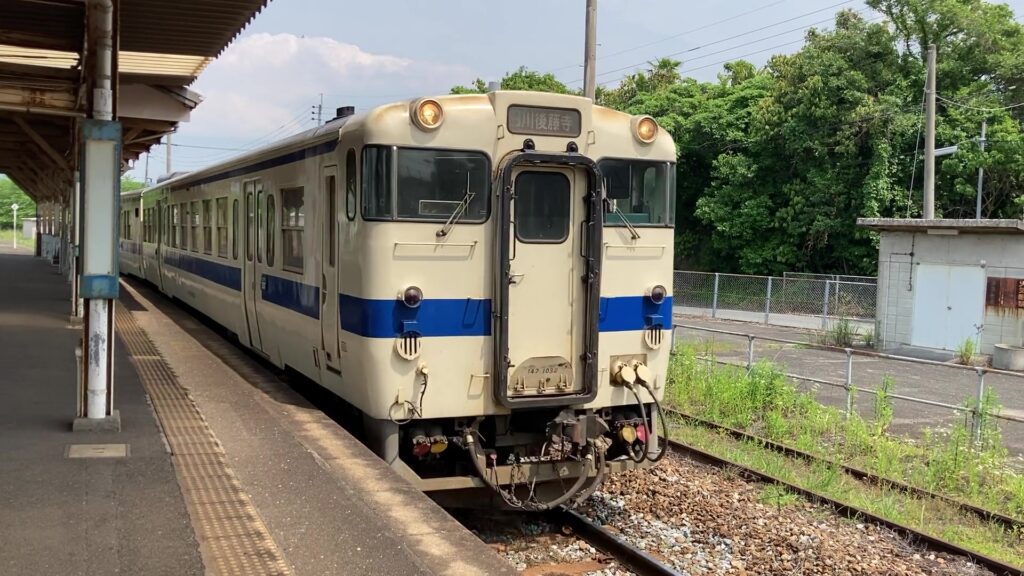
point(253, 192)
point(546, 322)
point(329, 269)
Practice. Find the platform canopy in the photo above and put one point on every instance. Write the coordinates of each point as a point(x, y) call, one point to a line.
point(46, 77)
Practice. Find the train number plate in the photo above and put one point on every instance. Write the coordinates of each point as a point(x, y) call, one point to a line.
point(542, 376)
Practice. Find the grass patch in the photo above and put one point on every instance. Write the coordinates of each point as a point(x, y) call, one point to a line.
point(7, 240)
point(764, 402)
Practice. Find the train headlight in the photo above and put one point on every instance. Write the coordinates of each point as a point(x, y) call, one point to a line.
point(645, 129)
point(427, 114)
point(412, 297)
point(657, 294)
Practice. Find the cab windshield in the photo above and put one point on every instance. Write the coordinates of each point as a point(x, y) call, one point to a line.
point(425, 184)
point(642, 192)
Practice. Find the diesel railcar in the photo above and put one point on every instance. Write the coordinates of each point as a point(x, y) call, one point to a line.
point(485, 278)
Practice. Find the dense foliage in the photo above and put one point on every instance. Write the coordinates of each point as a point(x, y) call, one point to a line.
point(11, 194)
point(776, 164)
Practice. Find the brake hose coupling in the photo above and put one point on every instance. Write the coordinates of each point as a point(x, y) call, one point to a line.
point(643, 372)
point(624, 374)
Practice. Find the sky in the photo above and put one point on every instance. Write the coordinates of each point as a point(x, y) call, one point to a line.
point(265, 85)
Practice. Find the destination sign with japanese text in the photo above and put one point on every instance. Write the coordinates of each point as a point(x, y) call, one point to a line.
point(544, 121)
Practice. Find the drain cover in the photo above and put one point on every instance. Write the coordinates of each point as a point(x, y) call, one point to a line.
point(97, 451)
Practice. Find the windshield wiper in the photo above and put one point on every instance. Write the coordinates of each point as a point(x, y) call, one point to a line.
point(632, 231)
point(463, 206)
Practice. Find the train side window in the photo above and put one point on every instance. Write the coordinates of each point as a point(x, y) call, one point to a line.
point(175, 215)
point(222, 227)
point(261, 231)
point(350, 185)
point(293, 220)
point(377, 186)
point(250, 221)
point(271, 231)
point(195, 224)
point(185, 216)
point(234, 229)
point(208, 226)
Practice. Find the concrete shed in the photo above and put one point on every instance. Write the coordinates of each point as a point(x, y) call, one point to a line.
point(943, 281)
point(28, 227)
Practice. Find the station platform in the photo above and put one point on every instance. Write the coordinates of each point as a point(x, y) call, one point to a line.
point(219, 467)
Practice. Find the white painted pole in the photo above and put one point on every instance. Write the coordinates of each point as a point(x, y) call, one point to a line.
point(14, 208)
point(96, 393)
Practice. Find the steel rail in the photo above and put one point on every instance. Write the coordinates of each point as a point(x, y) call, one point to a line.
point(935, 543)
point(640, 562)
point(1008, 522)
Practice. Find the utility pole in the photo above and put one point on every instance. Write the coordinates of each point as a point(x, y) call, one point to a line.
point(981, 171)
point(590, 51)
point(929, 138)
point(146, 177)
point(168, 167)
point(318, 110)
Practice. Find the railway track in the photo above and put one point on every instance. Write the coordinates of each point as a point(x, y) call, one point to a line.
point(933, 542)
point(640, 562)
point(1008, 522)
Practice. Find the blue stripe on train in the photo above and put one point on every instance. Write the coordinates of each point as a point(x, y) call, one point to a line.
point(472, 317)
point(291, 294)
point(227, 276)
point(434, 317)
point(626, 313)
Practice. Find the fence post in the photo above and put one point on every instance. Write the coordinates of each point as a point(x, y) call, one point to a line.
point(824, 308)
point(849, 382)
point(768, 301)
point(979, 411)
point(750, 352)
point(714, 298)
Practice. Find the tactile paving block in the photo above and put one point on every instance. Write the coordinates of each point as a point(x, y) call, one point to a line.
point(232, 537)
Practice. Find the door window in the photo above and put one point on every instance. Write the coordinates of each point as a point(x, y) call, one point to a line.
point(542, 207)
point(332, 218)
point(350, 185)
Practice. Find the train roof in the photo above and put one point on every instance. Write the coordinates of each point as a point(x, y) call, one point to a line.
point(326, 132)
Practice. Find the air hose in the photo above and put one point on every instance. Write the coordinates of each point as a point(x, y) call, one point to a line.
point(598, 479)
point(479, 462)
point(643, 418)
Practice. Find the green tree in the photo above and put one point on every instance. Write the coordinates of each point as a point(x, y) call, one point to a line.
point(10, 194)
point(128, 184)
point(520, 79)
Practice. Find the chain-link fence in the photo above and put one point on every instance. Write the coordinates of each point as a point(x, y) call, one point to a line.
point(807, 302)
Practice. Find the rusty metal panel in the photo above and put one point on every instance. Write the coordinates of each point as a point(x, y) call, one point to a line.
point(1005, 294)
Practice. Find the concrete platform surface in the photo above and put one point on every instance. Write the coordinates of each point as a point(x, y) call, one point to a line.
point(69, 516)
point(328, 505)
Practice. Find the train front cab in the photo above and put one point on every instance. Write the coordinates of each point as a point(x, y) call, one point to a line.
point(575, 283)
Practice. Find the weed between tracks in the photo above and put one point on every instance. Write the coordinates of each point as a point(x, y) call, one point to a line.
point(947, 461)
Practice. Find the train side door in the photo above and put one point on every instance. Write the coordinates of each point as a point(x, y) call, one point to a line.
point(250, 279)
point(329, 269)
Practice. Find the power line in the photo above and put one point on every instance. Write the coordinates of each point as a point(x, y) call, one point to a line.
point(734, 58)
point(674, 36)
point(740, 35)
point(969, 107)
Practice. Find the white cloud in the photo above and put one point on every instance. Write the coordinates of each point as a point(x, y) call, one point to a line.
point(265, 80)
